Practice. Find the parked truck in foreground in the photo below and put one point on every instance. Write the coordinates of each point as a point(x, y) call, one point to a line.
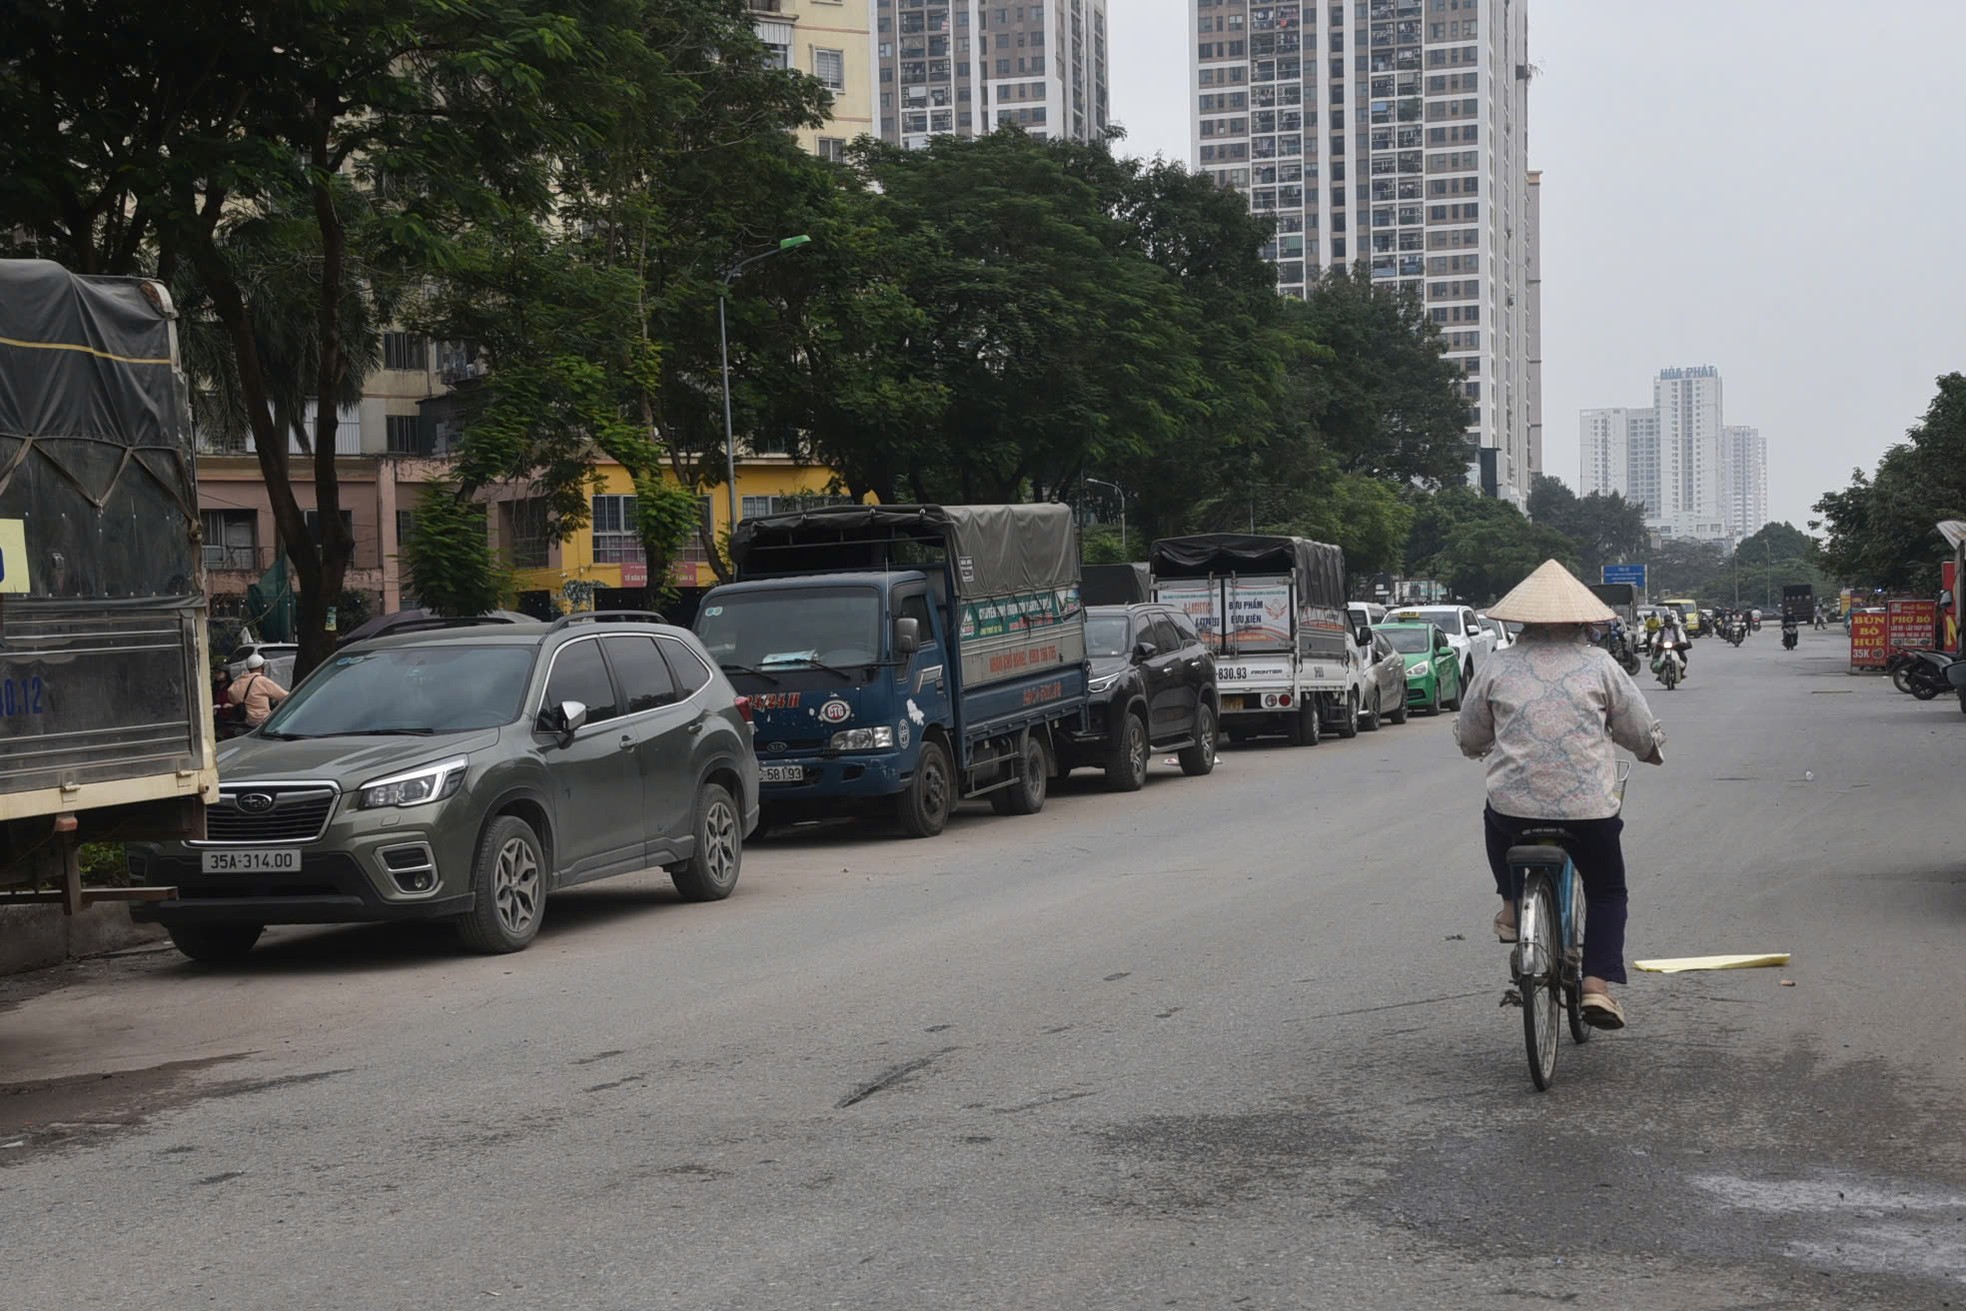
point(901, 658)
point(1274, 609)
point(105, 716)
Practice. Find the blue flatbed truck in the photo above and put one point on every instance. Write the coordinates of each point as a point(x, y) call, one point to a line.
point(901, 658)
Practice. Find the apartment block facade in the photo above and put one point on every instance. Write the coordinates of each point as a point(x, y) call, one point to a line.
point(831, 40)
point(1696, 476)
point(1392, 133)
point(967, 67)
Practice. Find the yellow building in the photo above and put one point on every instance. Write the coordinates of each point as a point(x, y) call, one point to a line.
point(605, 554)
point(832, 40)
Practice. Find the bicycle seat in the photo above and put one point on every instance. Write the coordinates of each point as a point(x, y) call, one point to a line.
point(1539, 853)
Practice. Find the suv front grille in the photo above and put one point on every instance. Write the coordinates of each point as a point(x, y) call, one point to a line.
point(246, 813)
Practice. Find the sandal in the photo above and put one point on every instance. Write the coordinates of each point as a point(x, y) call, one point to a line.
point(1505, 926)
point(1601, 1010)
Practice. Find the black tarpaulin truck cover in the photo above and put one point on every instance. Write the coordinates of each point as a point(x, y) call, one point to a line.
point(1117, 584)
point(95, 442)
point(993, 550)
point(1319, 568)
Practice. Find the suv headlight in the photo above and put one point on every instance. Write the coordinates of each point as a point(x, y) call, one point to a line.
point(864, 739)
point(1105, 681)
point(1416, 671)
point(414, 788)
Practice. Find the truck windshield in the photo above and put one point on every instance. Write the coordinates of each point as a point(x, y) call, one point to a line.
point(794, 628)
point(1105, 635)
point(416, 689)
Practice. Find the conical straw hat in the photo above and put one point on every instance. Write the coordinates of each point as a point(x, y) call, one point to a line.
point(1551, 595)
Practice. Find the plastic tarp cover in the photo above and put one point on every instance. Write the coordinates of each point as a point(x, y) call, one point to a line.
point(1117, 584)
point(992, 550)
point(1318, 567)
point(96, 466)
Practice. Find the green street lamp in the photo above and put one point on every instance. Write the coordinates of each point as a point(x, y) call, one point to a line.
point(723, 343)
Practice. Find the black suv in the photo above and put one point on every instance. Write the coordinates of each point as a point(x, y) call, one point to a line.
point(1153, 689)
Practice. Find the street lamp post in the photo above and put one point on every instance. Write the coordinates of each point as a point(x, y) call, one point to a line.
point(723, 345)
point(1121, 493)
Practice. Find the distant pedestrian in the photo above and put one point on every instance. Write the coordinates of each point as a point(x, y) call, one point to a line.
point(256, 692)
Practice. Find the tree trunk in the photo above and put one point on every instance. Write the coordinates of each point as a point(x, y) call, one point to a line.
point(337, 543)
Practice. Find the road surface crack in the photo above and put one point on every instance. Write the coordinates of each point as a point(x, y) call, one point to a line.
point(891, 1077)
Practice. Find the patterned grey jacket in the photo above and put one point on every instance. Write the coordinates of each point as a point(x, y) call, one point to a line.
point(1545, 714)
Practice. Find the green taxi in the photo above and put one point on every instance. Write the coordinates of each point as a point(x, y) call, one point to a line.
point(1433, 671)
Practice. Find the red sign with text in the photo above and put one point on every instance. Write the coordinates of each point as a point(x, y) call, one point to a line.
point(634, 573)
point(1869, 641)
point(1910, 624)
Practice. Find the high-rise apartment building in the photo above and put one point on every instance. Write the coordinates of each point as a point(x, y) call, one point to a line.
point(969, 66)
point(1532, 264)
point(1394, 133)
point(1745, 453)
point(1696, 476)
point(832, 40)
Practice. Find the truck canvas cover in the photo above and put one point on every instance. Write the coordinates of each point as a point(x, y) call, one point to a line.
point(1205, 575)
point(1117, 584)
point(101, 578)
point(1014, 570)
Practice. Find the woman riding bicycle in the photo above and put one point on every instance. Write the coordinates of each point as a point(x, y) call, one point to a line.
point(1546, 715)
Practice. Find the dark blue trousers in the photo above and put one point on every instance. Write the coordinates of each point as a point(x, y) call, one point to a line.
point(1600, 860)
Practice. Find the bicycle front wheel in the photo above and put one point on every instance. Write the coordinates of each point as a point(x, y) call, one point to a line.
point(1539, 976)
point(1573, 990)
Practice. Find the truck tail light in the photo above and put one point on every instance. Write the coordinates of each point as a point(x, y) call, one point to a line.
point(1283, 698)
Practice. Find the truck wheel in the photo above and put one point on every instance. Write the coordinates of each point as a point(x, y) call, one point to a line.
point(1370, 724)
point(1199, 759)
point(711, 870)
point(1302, 728)
point(509, 880)
point(1026, 795)
point(1126, 767)
point(215, 944)
point(924, 808)
point(1348, 726)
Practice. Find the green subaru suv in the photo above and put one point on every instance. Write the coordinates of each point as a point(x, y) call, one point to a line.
point(463, 773)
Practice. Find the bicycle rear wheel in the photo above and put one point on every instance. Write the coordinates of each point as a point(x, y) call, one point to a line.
point(1539, 975)
point(1573, 991)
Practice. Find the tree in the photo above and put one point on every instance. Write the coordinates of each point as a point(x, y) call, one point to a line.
point(448, 557)
point(154, 139)
point(1882, 529)
point(1606, 528)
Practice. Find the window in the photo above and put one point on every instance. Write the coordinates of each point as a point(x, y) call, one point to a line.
point(616, 540)
point(692, 675)
point(580, 675)
point(526, 536)
point(406, 350)
point(313, 518)
point(829, 66)
point(646, 683)
point(832, 150)
point(404, 433)
point(1165, 636)
point(231, 539)
point(915, 607)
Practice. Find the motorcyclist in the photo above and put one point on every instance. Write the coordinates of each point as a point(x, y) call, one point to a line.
point(1672, 636)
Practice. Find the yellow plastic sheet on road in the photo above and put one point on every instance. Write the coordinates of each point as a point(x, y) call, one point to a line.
point(1681, 964)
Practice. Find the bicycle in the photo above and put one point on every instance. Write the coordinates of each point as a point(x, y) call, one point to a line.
point(1548, 961)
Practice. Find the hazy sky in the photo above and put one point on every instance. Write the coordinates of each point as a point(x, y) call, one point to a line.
point(1774, 187)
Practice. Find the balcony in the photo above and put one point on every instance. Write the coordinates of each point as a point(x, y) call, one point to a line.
point(775, 7)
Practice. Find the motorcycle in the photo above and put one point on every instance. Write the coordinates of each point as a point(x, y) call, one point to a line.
point(1737, 632)
point(1670, 664)
point(1789, 637)
point(1924, 674)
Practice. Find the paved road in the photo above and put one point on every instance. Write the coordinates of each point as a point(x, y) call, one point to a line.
point(1231, 1043)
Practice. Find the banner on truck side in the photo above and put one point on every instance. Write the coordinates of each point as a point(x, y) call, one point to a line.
point(1021, 633)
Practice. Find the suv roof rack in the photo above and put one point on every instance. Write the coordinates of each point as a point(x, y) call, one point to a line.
point(391, 625)
point(607, 616)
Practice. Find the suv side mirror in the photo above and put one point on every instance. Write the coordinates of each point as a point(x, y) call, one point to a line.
point(1144, 651)
point(563, 720)
point(907, 636)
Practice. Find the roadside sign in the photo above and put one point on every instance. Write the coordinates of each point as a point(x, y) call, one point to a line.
point(1626, 573)
point(1869, 640)
point(1910, 624)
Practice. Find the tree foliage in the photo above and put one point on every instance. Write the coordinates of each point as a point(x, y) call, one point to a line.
point(448, 560)
point(1882, 528)
point(1604, 528)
